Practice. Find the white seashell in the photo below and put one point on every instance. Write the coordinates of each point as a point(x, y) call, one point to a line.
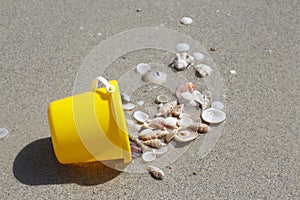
point(140, 116)
point(140, 102)
point(156, 143)
point(156, 77)
point(161, 150)
point(198, 56)
point(171, 135)
point(162, 99)
point(186, 20)
point(217, 105)
point(203, 70)
point(166, 109)
point(156, 172)
point(185, 122)
point(125, 97)
point(192, 103)
point(213, 115)
point(177, 110)
point(171, 122)
point(143, 68)
point(198, 97)
point(148, 156)
point(128, 106)
point(158, 123)
point(185, 136)
point(182, 47)
point(146, 131)
point(187, 87)
point(3, 133)
point(183, 61)
point(187, 96)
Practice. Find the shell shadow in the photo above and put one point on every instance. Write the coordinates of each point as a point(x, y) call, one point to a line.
point(36, 164)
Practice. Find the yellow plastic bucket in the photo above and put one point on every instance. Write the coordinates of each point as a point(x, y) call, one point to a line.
point(90, 126)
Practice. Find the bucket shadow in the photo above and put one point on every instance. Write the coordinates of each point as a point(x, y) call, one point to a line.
point(36, 164)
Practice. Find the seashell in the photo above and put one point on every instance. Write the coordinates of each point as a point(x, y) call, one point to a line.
point(166, 109)
point(161, 150)
point(152, 135)
point(187, 87)
point(186, 20)
point(158, 123)
point(128, 106)
point(162, 99)
point(143, 68)
point(192, 103)
point(156, 172)
point(171, 122)
point(217, 105)
point(183, 61)
point(146, 131)
point(143, 147)
point(185, 136)
point(140, 116)
point(185, 122)
point(177, 110)
point(199, 127)
point(156, 143)
point(198, 97)
point(156, 77)
point(171, 135)
point(148, 156)
point(187, 96)
point(203, 70)
point(213, 115)
point(136, 151)
point(140, 103)
point(3, 133)
point(198, 56)
point(125, 97)
point(182, 47)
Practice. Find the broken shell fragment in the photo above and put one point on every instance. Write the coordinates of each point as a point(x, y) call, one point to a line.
point(185, 136)
point(140, 116)
point(148, 156)
point(125, 98)
point(198, 97)
point(162, 99)
point(177, 110)
point(128, 106)
point(203, 70)
point(156, 143)
point(183, 61)
point(156, 77)
point(213, 115)
point(156, 172)
point(143, 68)
point(171, 122)
point(166, 109)
point(171, 135)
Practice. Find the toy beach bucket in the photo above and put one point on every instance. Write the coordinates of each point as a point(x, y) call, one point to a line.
point(90, 126)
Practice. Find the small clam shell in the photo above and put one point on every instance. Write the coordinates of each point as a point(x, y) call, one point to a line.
point(198, 56)
point(125, 97)
point(203, 70)
point(186, 20)
point(213, 115)
point(187, 96)
point(171, 122)
point(177, 110)
point(156, 172)
point(182, 47)
point(143, 68)
point(185, 136)
point(128, 106)
point(156, 77)
point(3, 133)
point(185, 122)
point(162, 99)
point(158, 123)
point(156, 143)
point(217, 105)
point(148, 156)
point(140, 116)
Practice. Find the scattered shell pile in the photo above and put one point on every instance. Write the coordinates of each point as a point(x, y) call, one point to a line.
point(171, 123)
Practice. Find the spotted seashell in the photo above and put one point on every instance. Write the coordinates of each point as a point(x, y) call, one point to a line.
point(155, 143)
point(156, 172)
point(156, 77)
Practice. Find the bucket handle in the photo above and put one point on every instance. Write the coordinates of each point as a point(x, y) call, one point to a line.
point(109, 88)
